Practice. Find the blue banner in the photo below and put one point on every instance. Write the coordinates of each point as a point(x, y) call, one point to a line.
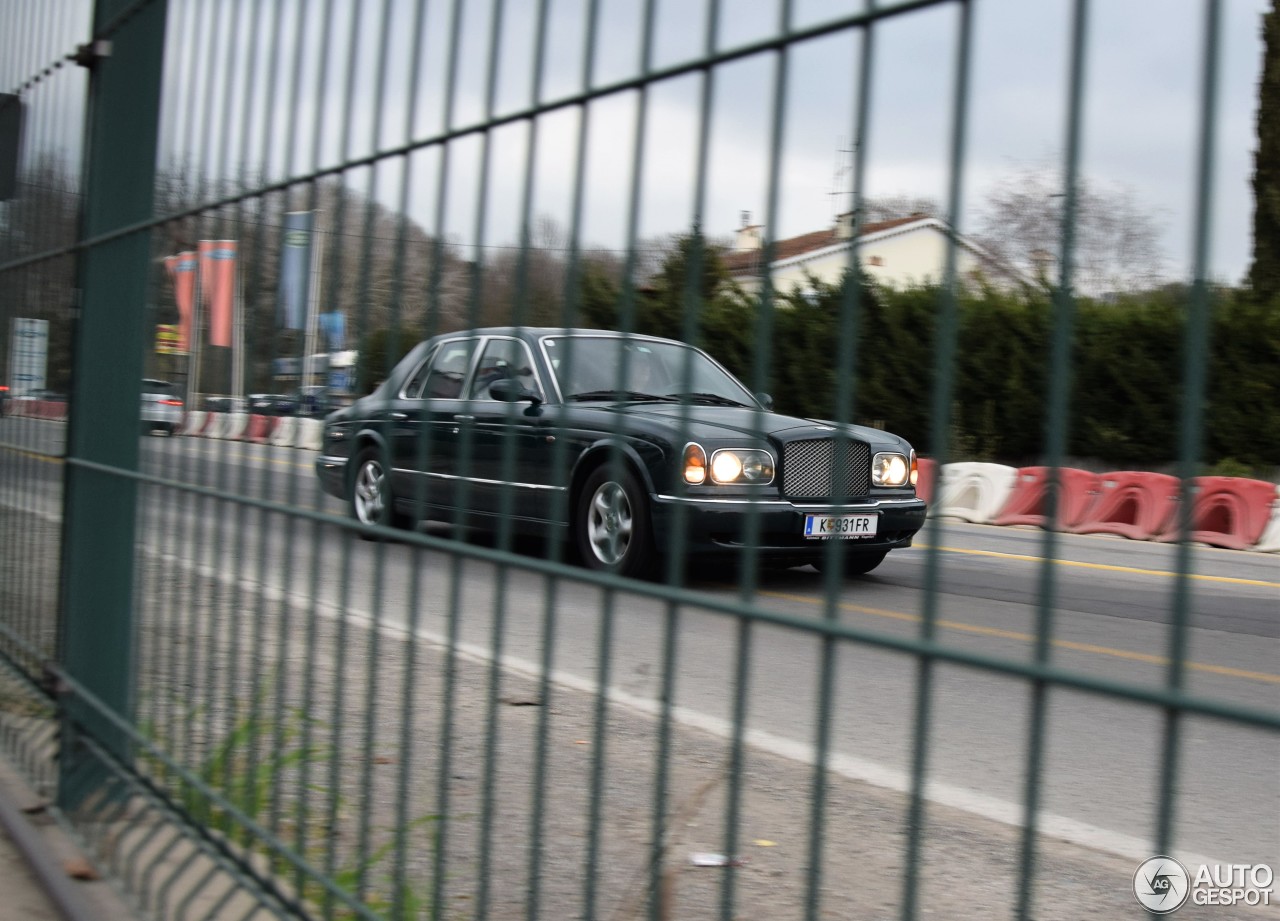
point(334, 328)
point(295, 270)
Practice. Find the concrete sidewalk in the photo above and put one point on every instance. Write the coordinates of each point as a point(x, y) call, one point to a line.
point(38, 864)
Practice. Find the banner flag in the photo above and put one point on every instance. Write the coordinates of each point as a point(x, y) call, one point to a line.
point(182, 272)
point(295, 270)
point(218, 282)
point(334, 326)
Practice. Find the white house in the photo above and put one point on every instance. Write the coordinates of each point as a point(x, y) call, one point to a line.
point(897, 253)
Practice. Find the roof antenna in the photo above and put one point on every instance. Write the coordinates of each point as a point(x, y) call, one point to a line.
point(841, 180)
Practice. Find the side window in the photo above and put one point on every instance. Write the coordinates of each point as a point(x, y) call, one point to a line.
point(503, 359)
point(418, 379)
point(449, 369)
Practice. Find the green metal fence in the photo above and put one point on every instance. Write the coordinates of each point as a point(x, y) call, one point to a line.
point(244, 710)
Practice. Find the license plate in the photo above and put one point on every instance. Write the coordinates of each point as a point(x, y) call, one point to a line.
point(821, 527)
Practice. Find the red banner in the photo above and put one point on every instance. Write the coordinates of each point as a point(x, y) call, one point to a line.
point(182, 272)
point(218, 283)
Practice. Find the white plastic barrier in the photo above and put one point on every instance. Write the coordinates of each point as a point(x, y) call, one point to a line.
point(286, 432)
point(1269, 542)
point(974, 491)
point(310, 434)
point(194, 422)
point(233, 426)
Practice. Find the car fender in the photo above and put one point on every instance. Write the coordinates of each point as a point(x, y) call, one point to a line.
point(366, 437)
point(599, 453)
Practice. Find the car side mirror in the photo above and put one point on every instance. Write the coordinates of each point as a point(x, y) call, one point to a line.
point(765, 400)
point(511, 391)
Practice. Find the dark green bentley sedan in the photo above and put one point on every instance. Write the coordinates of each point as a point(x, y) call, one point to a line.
point(616, 441)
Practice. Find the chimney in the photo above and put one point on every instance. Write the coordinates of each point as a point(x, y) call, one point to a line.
point(748, 235)
point(844, 226)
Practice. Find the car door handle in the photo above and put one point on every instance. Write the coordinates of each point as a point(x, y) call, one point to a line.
point(464, 418)
point(399, 417)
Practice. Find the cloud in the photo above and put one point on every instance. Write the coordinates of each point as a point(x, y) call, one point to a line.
point(381, 85)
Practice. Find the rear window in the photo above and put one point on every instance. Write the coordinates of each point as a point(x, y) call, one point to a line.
point(152, 386)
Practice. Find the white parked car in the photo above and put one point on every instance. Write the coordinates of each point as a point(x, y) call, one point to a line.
point(161, 407)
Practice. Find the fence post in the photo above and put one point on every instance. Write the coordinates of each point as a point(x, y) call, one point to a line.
point(95, 643)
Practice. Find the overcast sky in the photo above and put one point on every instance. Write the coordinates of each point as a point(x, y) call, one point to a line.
point(1143, 76)
point(241, 103)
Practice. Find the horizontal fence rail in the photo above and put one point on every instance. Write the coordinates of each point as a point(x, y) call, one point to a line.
point(340, 578)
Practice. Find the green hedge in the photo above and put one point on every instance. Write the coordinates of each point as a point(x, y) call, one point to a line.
point(1127, 367)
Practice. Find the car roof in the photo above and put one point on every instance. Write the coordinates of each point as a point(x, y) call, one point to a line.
point(539, 332)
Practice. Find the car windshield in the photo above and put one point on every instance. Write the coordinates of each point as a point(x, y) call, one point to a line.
point(614, 368)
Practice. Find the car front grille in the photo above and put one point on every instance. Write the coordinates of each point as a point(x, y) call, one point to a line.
point(824, 468)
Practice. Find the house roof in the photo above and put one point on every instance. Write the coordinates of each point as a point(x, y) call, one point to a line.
point(748, 262)
point(747, 265)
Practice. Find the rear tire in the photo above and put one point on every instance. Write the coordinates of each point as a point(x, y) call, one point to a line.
point(613, 527)
point(856, 562)
point(370, 497)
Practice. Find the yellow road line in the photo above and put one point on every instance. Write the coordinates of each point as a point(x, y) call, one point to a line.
point(1107, 567)
point(999, 633)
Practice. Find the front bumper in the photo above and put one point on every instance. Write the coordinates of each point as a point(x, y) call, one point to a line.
point(721, 526)
point(332, 472)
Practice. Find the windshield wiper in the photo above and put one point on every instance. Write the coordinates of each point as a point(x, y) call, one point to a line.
point(715, 398)
point(631, 395)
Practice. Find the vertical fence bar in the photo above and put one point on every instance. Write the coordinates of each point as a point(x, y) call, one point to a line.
point(939, 430)
point(1195, 349)
point(846, 394)
point(98, 537)
point(1057, 424)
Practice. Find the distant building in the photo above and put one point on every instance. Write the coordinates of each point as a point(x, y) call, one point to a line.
point(897, 253)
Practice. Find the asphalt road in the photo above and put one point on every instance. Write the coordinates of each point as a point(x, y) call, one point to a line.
point(1108, 613)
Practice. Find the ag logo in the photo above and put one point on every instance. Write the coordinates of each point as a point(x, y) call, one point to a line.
point(1161, 885)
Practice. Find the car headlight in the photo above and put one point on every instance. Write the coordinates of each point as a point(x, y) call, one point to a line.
point(695, 465)
point(741, 465)
point(889, 469)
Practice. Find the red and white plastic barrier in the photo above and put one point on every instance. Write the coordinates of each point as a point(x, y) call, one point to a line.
point(1133, 504)
point(259, 428)
point(1231, 512)
point(1269, 542)
point(1027, 503)
point(286, 432)
point(195, 422)
point(36, 409)
point(927, 479)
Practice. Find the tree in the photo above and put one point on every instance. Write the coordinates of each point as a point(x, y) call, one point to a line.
point(1116, 240)
point(1264, 273)
point(892, 207)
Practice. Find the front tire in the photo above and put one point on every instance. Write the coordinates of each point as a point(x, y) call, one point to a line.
point(613, 528)
point(370, 497)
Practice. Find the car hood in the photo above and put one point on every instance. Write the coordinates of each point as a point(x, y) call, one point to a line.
point(713, 421)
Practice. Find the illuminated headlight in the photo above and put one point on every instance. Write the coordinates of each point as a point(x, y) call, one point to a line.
point(890, 470)
point(741, 466)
